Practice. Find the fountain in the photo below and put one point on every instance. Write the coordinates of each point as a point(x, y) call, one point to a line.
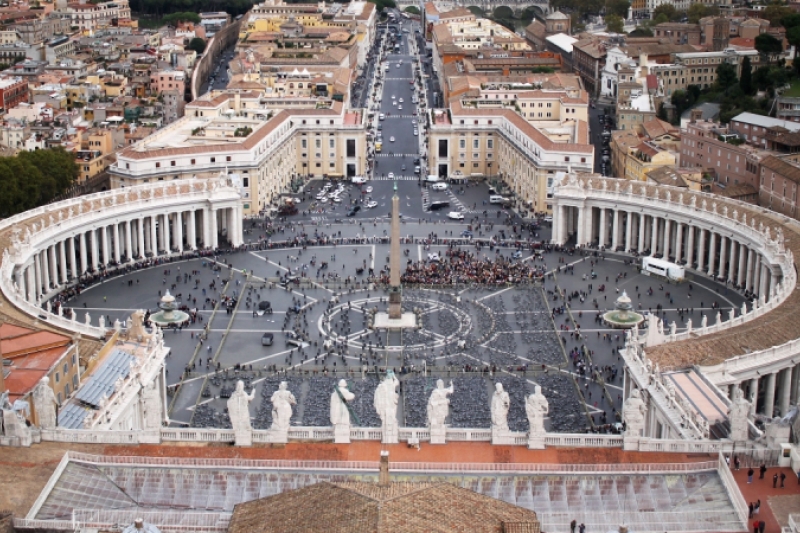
point(623, 316)
point(168, 314)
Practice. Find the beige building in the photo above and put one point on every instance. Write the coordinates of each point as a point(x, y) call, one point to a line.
point(501, 144)
point(266, 146)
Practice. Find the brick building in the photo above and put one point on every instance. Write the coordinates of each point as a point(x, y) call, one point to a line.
point(13, 91)
point(778, 182)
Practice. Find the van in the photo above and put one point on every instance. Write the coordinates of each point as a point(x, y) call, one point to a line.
point(381, 116)
point(496, 199)
point(359, 180)
point(432, 178)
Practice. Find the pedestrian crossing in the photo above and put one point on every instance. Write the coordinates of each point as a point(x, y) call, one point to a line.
point(459, 204)
point(398, 178)
point(383, 154)
point(388, 117)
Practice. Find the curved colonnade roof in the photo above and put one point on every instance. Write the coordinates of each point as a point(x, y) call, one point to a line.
point(771, 329)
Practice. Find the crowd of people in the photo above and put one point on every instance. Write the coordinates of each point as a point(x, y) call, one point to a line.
point(459, 266)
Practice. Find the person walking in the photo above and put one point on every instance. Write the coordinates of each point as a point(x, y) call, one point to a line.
point(750, 508)
point(783, 479)
point(775, 481)
point(761, 526)
point(572, 526)
point(736, 462)
point(755, 526)
point(750, 476)
point(762, 470)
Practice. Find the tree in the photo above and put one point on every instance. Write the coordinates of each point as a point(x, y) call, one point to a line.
point(790, 21)
point(746, 81)
point(198, 45)
point(175, 18)
point(768, 46)
point(641, 32)
point(617, 7)
point(414, 10)
point(793, 36)
point(698, 11)
point(726, 76)
point(503, 12)
point(660, 19)
point(31, 179)
point(667, 10)
point(774, 13)
point(614, 24)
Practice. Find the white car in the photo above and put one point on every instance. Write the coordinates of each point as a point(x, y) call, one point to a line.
point(391, 139)
point(455, 215)
point(323, 200)
point(337, 200)
point(439, 186)
point(368, 190)
point(391, 175)
point(372, 204)
point(400, 100)
point(399, 107)
point(416, 133)
point(433, 257)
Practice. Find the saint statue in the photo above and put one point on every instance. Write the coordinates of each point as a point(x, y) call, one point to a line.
point(44, 401)
point(737, 415)
point(385, 401)
point(633, 414)
point(439, 404)
point(500, 405)
point(282, 402)
point(239, 408)
point(536, 407)
point(340, 414)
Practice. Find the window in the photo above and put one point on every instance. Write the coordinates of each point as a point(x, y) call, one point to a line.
point(193, 161)
point(245, 182)
point(172, 163)
point(158, 165)
point(462, 144)
point(332, 143)
point(351, 147)
point(227, 158)
point(303, 143)
point(66, 368)
point(443, 148)
point(318, 143)
point(474, 165)
point(66, 389)
point(566, 158)
point(58, 377)
point(490, 144)
point(213, 159)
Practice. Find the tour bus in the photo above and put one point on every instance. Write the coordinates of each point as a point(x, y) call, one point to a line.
point(665, 269)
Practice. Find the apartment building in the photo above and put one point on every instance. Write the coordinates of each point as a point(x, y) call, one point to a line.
point(755, 129)
point(13, 91)
point(778, 181)
point(701, 67)
point(499, 143)
point(266, 146)
point(90, 17)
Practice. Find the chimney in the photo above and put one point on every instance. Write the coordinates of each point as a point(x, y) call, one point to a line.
point(138, 523)
point(383, 475)
point(696, 115)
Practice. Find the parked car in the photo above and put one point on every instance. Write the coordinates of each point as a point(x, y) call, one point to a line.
point(267, 339)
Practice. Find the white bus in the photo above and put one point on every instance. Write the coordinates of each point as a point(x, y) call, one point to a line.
point(665, 269)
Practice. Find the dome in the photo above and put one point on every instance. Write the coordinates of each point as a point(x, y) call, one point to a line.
point(557, 15)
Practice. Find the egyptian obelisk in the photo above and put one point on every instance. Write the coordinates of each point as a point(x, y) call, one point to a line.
point(395, 298)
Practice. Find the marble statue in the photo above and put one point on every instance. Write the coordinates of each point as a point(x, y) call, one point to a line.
point(88, 319)
point(633, 414)
point(152, 406)
point(737, 416)
point(282, 402)
point(536, 407)
point(44, 400)
point(500, 404)
point(704, 322)
point(239, 413)
point(340, 414)
point(439, 404)
point(385, 401)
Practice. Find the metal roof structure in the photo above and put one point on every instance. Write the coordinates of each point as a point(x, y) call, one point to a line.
point(71, 416)
point(118, 365)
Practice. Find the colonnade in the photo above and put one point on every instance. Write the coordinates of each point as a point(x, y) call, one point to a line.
point(712, 251)
point(772, 393)
point(138, 237)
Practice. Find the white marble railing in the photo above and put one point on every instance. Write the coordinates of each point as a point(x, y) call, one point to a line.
point(732, 489)
point(581, 440)
point(742, 367)
point(684, 446)
point(57, 221)
point(98, 436)
point(196, 435)
point(471, 435)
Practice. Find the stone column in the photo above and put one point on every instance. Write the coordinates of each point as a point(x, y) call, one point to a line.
point(641, 223)
point(117, 243)
point(37, 275)
point(84, 260)
point(129, 240)
point(763, 279)
point(722, 245)
point(104, 245)
point(689, 245)
point(786, 390)
point(628, 230)
point(712, 253)
point(153, 235)
point(678, 241)
point(580, 236)
point(191, 229)
point(73, 265)
point(165, 233)
point(53, 264)
point(62, 260)
point(603, 228)
point(749, 274)
point(754, 394)
point(213, 228)
point(769, 395)
point(615, 228)
point(742, 272)
point(666, 241)
point(140, 236)
point(179, 230)
point(701, 249)
point(654, 236)
point(30, 282)
point(732, 261)
point(795, 380)
point(45, 268)
point(238, 215)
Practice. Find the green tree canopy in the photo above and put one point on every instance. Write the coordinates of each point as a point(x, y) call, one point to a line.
point(726, 76)
point(668, 10)
point(775, 12)
point(614, 24)
point(198, 45)
point(414, 10)
point(698, 11)
point(503, 12)
point(478, 12)
point(641, 32)
point(768, 46)
point(746, 81)
point(31, 179)
point(185, 16)
point(790, 21)
point(617, 7)
point(793, 35)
